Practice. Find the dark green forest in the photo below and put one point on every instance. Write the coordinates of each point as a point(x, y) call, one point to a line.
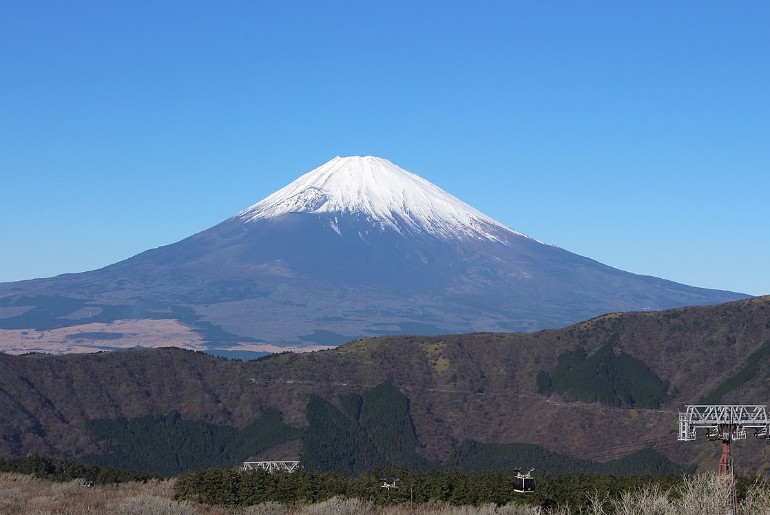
point(354, 435)
point(607, 377)
point(168, 444)
point(232, 489)
point(374, 429)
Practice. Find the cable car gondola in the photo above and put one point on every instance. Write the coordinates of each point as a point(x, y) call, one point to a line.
point(523, 482)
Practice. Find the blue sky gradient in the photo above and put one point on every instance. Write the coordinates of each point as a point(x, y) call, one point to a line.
point(637, 134)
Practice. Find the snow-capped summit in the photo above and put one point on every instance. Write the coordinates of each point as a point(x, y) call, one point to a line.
point(381, 192)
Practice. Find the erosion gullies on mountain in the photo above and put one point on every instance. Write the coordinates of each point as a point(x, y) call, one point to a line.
point(357, 247)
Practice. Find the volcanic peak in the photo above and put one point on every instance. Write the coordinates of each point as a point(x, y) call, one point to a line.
point(382, 192)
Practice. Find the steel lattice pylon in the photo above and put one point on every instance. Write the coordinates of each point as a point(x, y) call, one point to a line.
point(726, 422)
point(271, 466)
point(712, 418)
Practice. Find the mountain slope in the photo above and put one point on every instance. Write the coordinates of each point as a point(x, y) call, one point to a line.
point(357, 247)
point(481, 387)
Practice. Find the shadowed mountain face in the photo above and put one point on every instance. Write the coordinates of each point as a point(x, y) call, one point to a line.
point(357, 247)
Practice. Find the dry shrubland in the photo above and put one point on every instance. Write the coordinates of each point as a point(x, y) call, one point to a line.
point(26, 495)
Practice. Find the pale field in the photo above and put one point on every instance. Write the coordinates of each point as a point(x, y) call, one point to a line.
point(25, 495)
point(132, 333)
point(126, 334)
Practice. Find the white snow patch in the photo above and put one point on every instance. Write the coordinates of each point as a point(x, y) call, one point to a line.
point(382, 192)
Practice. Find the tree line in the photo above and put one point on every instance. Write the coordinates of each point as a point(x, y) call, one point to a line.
point(62, 470)
point(237, 489)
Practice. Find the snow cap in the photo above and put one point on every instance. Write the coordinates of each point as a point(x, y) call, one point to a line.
point(376, 188)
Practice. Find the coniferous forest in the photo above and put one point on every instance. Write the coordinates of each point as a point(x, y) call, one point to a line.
point(355, 435)
point(388, 491)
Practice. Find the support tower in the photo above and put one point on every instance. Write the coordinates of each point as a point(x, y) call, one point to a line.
point(726, 422)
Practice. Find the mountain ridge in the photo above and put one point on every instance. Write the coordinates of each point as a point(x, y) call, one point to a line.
point(338, 275)
point(482, 387)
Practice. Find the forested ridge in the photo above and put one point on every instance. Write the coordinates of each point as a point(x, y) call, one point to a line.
point(622, 376)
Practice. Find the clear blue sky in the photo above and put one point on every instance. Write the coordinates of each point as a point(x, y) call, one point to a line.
point(634, 133)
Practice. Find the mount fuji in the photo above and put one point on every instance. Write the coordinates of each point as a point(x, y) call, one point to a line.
point(357, 247)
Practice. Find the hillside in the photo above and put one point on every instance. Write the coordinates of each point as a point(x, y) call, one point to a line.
point(484, 387)
point(357, 247)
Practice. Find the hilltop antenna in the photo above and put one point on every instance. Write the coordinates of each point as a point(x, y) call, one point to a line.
point(726, 422)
